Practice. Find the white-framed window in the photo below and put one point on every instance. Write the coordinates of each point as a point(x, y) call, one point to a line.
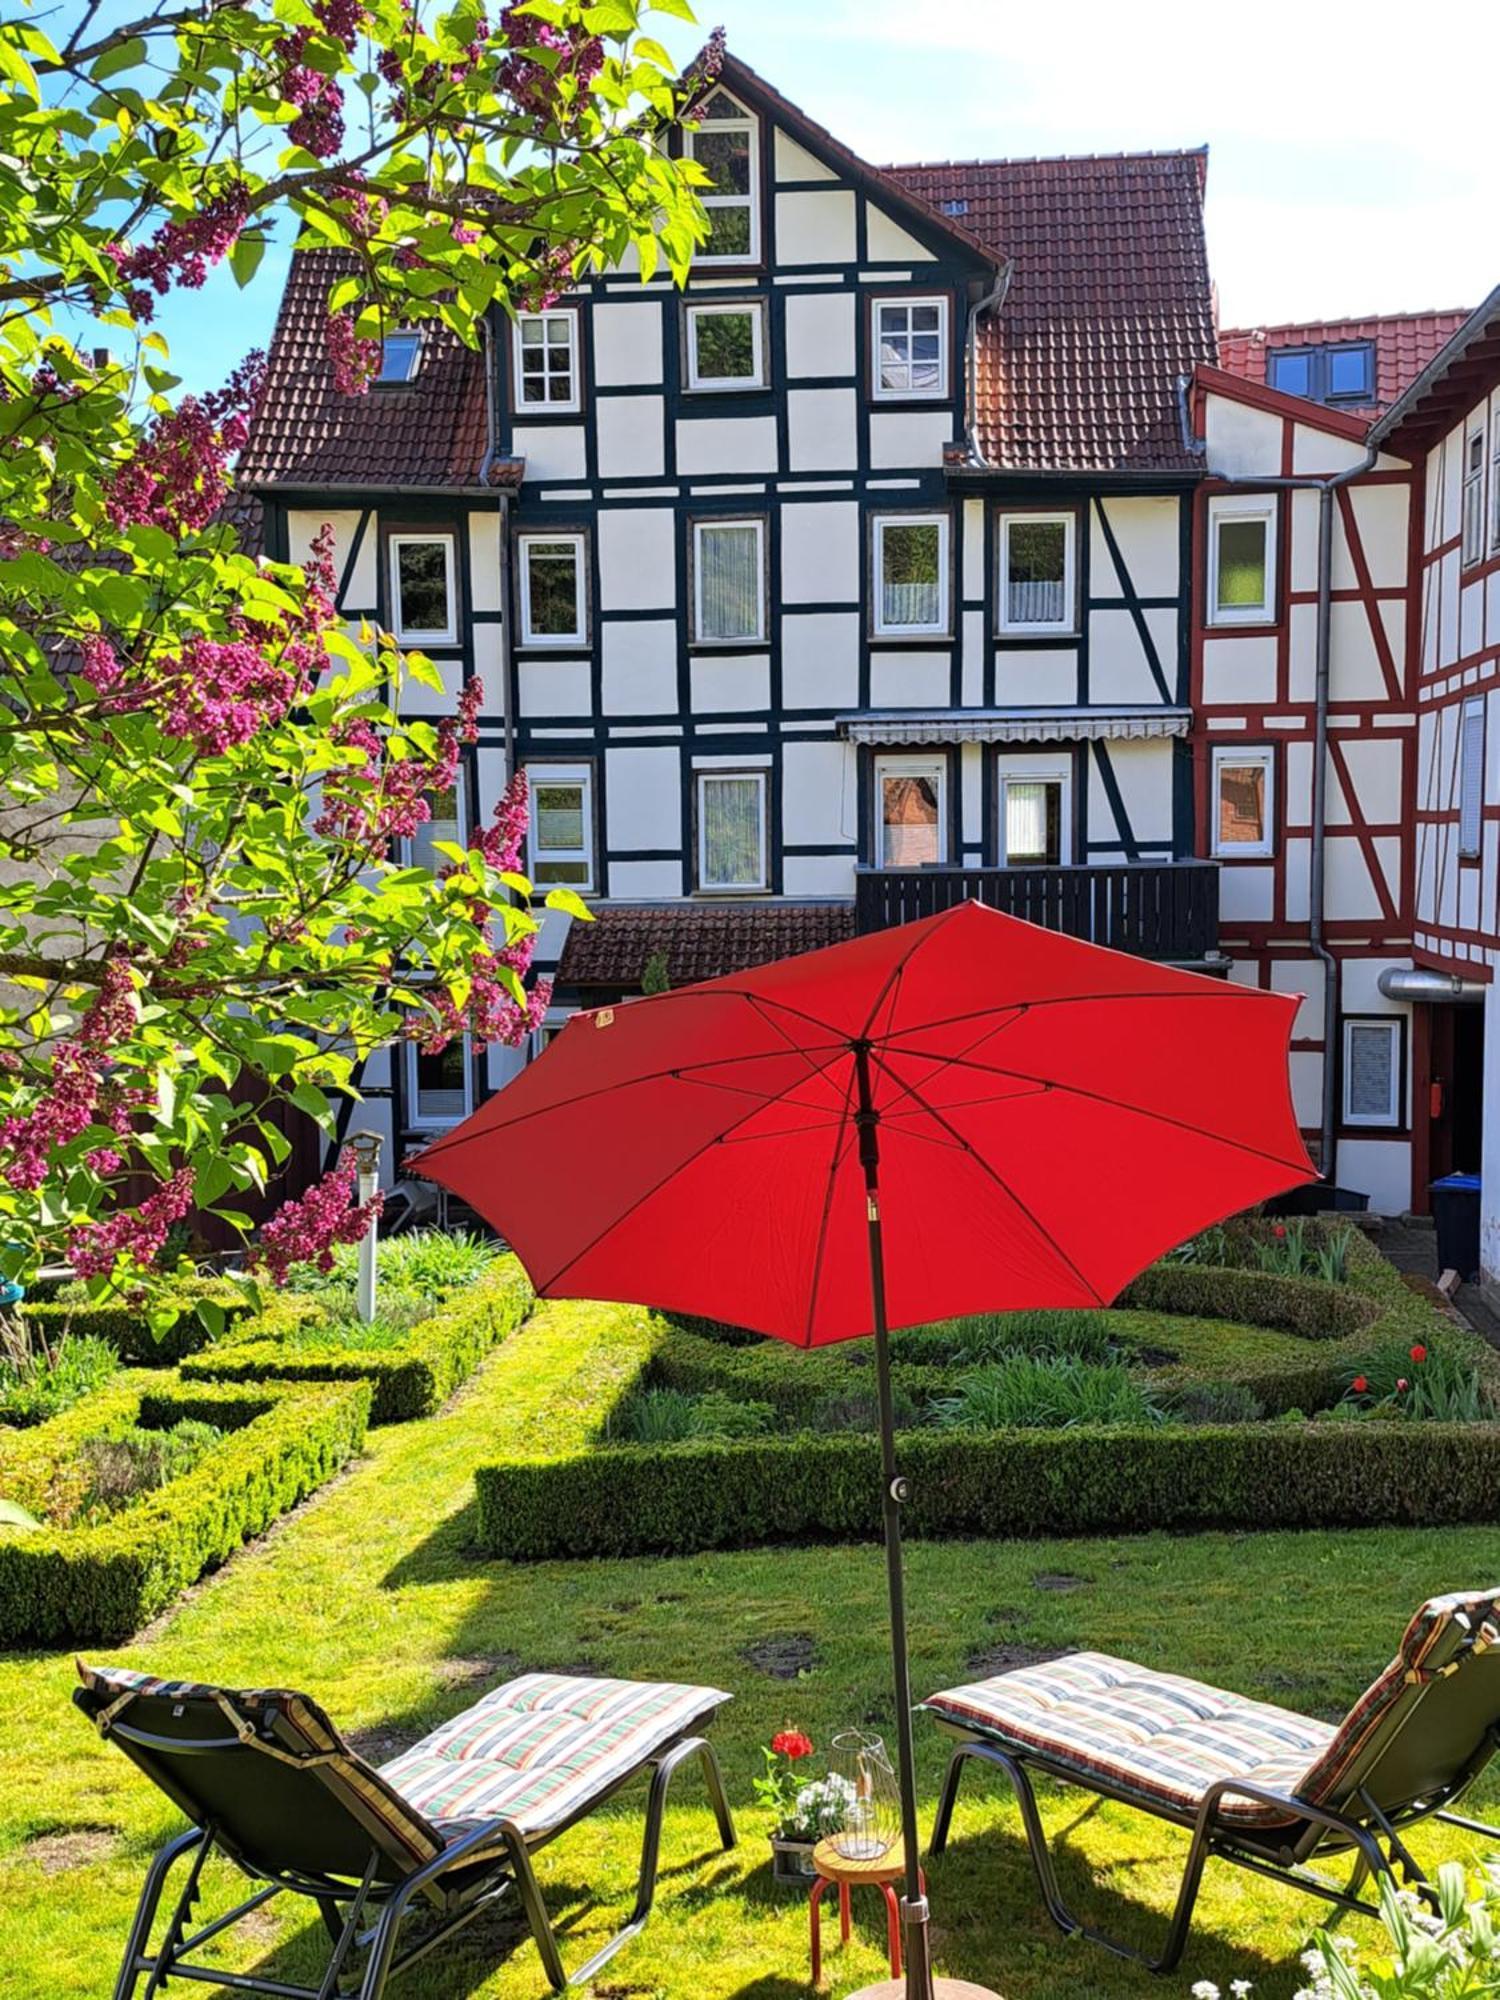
point(1473, 516)
point(732, 830)
point(1243, 803)
point(547, 372)
point(911, 812)
point(1038, 572)
point(911, 348)
point(553, 578)
point(1495, 486)
point(1471, 779)
point(1241, 560)
point(1373, 1084)
point(729, 582)
point(912, 585)
point(399, 354)
point(448, 820)
point(726, 345)
point(424, 594)
point(562, 826)
point(726, 146)
point(1036, 816)
point(439, 1085)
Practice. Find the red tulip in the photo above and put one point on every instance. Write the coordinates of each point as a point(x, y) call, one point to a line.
point(1419, 1352)
point(1359, 1384)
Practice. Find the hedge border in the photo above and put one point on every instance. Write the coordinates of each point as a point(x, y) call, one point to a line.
point(127, 1330)
point(626, 1500)
point(100, 1584)
point(408, 1381)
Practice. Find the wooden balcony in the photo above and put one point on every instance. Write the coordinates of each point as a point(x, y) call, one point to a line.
point(1157, 909)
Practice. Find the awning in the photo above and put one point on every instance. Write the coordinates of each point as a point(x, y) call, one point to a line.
point(1085, 724)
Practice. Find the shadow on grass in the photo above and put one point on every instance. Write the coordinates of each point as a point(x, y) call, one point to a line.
point(450, 1550)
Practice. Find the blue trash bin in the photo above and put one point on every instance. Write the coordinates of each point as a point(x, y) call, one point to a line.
point(1455, 1212)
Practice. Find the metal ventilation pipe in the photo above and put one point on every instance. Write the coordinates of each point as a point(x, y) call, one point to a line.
point(1404, 982)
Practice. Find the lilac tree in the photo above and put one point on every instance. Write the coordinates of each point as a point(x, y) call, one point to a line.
point(206, 783)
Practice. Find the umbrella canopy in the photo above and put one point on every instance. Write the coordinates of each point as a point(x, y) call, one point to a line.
point(1051, 1115)
point(1036, 1117)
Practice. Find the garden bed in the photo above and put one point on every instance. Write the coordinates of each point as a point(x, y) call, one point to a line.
point(99, 1573)
point(412, 1369)
point(1216, 1395)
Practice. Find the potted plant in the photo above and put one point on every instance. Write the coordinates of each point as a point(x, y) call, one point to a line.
point(802, 1814)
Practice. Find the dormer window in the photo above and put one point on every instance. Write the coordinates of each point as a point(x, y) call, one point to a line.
point(399, 355)
point(725, 146)
point(1334, 373)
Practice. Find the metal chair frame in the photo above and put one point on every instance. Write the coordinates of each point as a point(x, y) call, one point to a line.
point(1281, 1853)
point(461, 1881)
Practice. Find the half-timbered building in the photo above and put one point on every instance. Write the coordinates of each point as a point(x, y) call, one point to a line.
point(849, 580)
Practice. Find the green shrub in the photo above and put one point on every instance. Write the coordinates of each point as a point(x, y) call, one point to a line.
point(120, 1468)
point(859, 1410)
point(1088, 1336)
point(1303, 1306)
point(127, 1328)
point(1044, 1392)
point(432, 1263)
point(100, 1583)
point(411, 1378)
point(637, 1500)
point(667, 1416)
point(47, 1382)
point(1215, 1403)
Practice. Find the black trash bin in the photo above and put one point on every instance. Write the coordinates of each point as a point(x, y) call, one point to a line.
point(1455, 1211)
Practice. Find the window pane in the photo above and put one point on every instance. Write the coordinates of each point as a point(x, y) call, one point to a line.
point(1370, 1083)
point(732, 833)
point(531, 332)
point(445, 824)
point(1036, 572)
point(926, 319)
point(559, 817)
point(1242, 565)
point(1349, 371)
point(398, 357)
point(729, 582)
point(552, 599)
point(724, 346)
point(440, 1082)
point(1242, 805)
point(722, 105)
point(910, 574)
point(1292, 373)
point(728, 230)
point(725, 158)
point(422, 583)
point(909, 812)
point(1033, 821)
point(1471, 779)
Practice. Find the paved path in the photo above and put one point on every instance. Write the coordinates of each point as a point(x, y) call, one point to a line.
point(1410, 1243)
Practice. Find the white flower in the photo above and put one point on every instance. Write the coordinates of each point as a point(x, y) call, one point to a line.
point(1205, 1990)
point(1240, 1987)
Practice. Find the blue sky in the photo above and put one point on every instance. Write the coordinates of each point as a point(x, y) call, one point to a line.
point(1331, 190)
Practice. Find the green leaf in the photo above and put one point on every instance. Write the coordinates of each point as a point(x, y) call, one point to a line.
point(14, 1515)
point(245, 257)
point(572, 902)
point(126, 55)
point(211, 1316)
point(421, 669)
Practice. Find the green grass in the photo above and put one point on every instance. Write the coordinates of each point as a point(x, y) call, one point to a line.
point(371, 1597)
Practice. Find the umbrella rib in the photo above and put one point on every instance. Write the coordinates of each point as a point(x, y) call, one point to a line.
point(1004, 1186)
point(1020, 1007)
point(716, 1139)
point(893, 976)
point(841, 1144)
point(1098, 1097)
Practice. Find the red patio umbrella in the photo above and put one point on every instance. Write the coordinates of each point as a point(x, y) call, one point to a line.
point(1036, 1117)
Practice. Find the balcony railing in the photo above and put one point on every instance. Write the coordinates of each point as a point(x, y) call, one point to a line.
point(1157, 909)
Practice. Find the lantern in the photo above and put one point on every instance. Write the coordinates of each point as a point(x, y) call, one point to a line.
point(872, 1814)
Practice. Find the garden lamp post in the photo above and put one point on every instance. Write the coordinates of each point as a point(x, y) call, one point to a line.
point(366, 1149)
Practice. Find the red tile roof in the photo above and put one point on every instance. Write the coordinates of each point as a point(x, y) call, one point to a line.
point(1110, 302)
point(307, 434)
point(1404, 345)
point(701, 940)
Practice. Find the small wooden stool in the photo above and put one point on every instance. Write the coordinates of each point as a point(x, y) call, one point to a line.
point(833, 1867)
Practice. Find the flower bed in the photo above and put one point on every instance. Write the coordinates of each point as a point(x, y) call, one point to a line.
point(100, 1580)
point(1225, 1391)
point(411, 1375)
point(127, 1328)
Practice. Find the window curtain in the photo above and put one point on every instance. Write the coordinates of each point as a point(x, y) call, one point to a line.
point(1371, 1059)
point(732, 833)
point(729, 582)
point(1032, 812)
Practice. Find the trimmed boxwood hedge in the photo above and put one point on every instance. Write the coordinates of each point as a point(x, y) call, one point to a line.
point(638, 1500)
point(409, 1380)
point(100, 1584)
point(127, 1330)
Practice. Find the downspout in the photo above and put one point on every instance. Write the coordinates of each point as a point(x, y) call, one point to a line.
point(502, 534)
point(992, 301)
point(1325, 488)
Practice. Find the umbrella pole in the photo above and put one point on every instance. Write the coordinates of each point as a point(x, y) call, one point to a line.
point(914, 1905)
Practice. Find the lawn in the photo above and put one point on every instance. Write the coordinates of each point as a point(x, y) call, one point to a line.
point(371, 1597)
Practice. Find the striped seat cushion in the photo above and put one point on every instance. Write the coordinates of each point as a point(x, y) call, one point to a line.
point(1157, 1739)
point(538, 1749)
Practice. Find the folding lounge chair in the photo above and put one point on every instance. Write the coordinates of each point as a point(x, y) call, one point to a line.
point(1260, 1786)
point(451, 1824)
